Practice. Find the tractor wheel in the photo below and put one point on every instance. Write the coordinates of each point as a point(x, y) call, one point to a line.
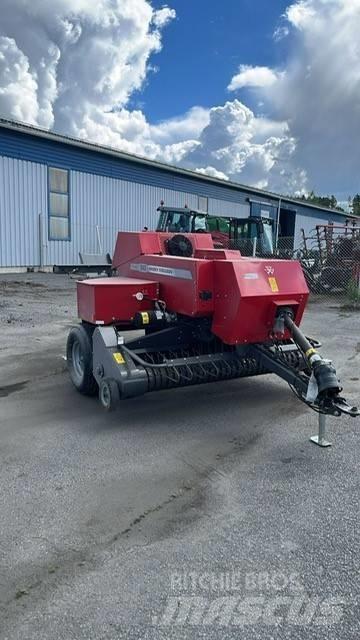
point(79, 360)
point(109, 395)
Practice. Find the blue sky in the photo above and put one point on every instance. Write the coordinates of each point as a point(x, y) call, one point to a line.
point(228, 98)
point(203, 48)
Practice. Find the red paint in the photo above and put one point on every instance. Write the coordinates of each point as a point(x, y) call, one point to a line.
point(239, 293)
point(112, 300)
point(181, 294)
point(130, 245)
point(245, 305)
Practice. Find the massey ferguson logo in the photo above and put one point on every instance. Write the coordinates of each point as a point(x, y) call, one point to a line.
point(270, 270)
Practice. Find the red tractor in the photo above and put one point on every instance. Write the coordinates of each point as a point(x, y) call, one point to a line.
point(205, 315)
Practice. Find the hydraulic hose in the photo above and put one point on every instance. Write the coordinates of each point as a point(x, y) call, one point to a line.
point(301, 340)
point(324, 372)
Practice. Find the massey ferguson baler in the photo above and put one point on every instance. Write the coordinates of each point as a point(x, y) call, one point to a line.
point(206, 315)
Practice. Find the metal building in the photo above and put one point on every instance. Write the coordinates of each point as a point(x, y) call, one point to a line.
point(60, 195)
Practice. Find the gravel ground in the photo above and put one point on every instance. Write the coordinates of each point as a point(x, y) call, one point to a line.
point(36, 312)
point(200, 513)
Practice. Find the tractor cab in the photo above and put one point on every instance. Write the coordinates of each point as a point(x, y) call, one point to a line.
point(181, 220)
point(250, 235)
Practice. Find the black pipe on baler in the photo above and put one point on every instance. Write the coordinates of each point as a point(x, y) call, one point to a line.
point(324, 373)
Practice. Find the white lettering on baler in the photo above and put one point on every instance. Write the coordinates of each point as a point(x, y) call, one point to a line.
point(184, 274)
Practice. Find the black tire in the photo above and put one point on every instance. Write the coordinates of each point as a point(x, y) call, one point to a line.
point(109, 394)
point(79, 361)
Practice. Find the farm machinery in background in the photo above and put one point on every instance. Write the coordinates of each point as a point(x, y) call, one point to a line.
point(205, 314)
point(254, 235)
point(330, 257)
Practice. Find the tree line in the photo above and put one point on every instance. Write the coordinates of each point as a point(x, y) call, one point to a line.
point(331, 202)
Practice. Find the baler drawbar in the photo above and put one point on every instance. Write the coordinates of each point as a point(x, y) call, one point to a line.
point(205, 315)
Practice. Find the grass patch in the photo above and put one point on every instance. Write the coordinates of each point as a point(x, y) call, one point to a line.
point(352, 302)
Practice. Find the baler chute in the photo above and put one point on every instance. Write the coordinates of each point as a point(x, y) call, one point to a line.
point(206, 315)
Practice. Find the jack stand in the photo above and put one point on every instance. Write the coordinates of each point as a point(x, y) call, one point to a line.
point(320, 438)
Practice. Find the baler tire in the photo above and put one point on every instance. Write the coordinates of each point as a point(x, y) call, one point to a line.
point(109, 394)
point(79, 360)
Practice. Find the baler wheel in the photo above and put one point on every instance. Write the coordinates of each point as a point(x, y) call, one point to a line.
point(79, 360)
point(109, 395)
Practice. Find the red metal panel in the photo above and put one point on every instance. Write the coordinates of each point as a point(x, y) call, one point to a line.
point(112, 300)
point(247, 294)
point(217, 254)
point(131, 244)
point(181, 280)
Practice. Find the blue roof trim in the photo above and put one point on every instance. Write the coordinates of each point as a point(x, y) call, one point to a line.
point(33, 148)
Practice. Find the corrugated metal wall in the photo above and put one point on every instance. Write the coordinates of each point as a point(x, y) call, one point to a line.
point(17, 144)
point(234, 209)
point(112, 205)
point(23, 196)
point(109, 203)
point(309, 222)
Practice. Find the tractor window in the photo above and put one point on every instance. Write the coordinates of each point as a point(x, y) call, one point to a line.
point(243, 230)
point(161, 225)
point(218, 224)
point(267, 239)
point(212, 223)
point(199, 223)
point(224, 225)
point(177, 222)
point(254, 230)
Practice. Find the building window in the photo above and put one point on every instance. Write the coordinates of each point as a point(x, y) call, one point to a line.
point(203, 203)
point(59, 204)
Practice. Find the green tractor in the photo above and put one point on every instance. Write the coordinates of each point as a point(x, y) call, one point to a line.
point(251, 236)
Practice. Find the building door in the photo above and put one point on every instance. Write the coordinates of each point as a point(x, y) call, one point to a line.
point(286, 230)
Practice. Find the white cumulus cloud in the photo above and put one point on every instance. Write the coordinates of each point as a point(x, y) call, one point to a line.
point(300, 13)
point(87, 57)
point(237, 145)
point(211, 171)
point(14, 73)
point(163, 16)
point(319, 96)
point(253, 77)
point(317, 93)
point(73, 65)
